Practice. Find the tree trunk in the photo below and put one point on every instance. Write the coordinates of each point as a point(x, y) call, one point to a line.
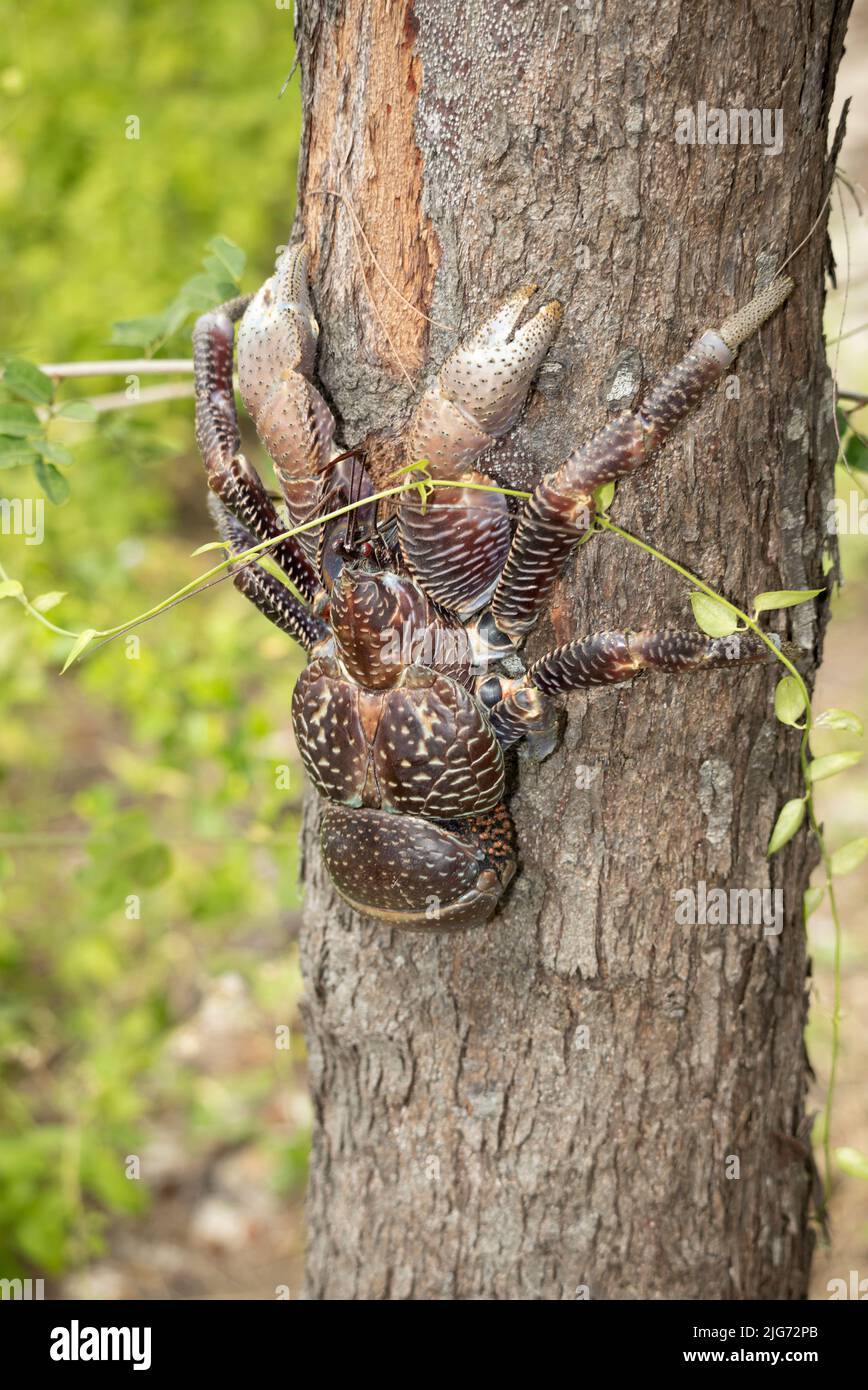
point(583, 1098)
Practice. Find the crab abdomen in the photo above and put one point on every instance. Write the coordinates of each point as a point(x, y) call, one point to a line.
point(423, 748)
point(416, 873)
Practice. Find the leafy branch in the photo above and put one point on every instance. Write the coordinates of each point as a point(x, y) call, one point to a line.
point(38, 607)
point(219, 279)
point(29, 408)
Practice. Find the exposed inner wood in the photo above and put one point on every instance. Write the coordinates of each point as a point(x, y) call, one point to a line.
point(364, 87)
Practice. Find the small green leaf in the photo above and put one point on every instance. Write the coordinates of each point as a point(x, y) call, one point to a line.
point(831, 764)
point(828, 562)
point(19, 421)
point(790, 817)
point(169, 322)
point(27, 382)
point(603, 496)
point(789, 701)
point(783, 598)
point(230, 256)
point(52, 482)
point(849, 856)
point(43, 603)
point(421, 466)
point(10, 588)
point(204, 291)
point(854, 451)
point(82, 641)
point(852, 1162)
point(711, 616)
point(14, 452)
point(214, 268)
point(812, 899)
point(53, 452)
point(77, 410)
point(218, 281)
point(840, 719)
point(141, 332)
point(210, 545)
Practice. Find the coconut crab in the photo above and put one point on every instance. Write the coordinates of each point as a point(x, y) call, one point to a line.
point(413, 621)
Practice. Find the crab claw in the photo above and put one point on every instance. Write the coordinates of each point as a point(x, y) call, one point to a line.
point(278, 332)
point(489, 375)
point(276, 349)
point(482, 386)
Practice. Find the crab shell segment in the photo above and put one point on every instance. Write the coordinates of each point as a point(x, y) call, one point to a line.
point(383, 622)
point(456, 542)
point(423, 747)
point(419, 874)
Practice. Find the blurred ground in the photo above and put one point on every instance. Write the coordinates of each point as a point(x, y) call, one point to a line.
point(222, 1224)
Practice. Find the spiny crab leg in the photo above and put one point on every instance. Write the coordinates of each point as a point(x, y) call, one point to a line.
point(265, 590)
point(562, 507)
point(610, 658)
point(230, 476)
point(456, 545)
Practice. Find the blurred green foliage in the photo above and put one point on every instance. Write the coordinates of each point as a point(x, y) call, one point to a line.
point(146, 845)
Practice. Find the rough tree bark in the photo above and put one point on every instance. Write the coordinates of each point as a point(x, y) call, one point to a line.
point(548, 1107)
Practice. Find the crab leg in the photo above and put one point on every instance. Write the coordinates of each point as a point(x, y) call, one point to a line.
point(456, 545)
point(526, 713)
point(608, 658)
point(562, 507)
point(265, 590)
point(230, 476)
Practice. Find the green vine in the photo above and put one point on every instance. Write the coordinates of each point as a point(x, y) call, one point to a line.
point(718, 617)
point(714, 615)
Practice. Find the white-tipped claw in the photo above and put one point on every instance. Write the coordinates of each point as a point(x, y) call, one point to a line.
point(503, 320)
point(488, 376)
point(278, 332)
